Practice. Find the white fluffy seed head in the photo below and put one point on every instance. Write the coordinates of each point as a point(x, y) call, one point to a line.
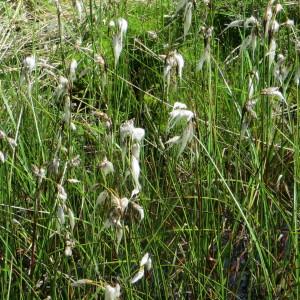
point(180, 64)
point(122, 26)
point(144, 259)
point(68, 251)
point(29, 63)
point(138, 134)
point(179, 105)
point(187, 18)
point(73, 67)
point(2, 157)
point(138, 276)
point(102, 198)
point(140, 210)
point(61, 215)
point(135, 171)
point(252, 21)
point(61, 193)
point(106, 167)
point(112, 293)
point(178, 115)
point(71, 219)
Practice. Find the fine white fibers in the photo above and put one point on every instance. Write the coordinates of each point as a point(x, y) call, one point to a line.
point(252, 21)
point(79, 7)
point(61, 215)
point(112, 293)
point(187, 18)
point(29, 63)
point(273, 92)
point(135, 171)
point(145, 262)
point(204, 58)
point(2, 157)
point(179, 105)
point(178, 115)
point(106, 166)
point(144, 259)
point(187, 136)
point(138, 134)
point(73, 67)
point(127, 129)
point(136, 150)
point(117, 47)
point(102, 198)
point(181, 4)
point(140, 210)
point(71, 219)
point(122, 26)
point(61, 193)
point(117, 40)
point(180, 64)
point(173, 61)
point(138, 276)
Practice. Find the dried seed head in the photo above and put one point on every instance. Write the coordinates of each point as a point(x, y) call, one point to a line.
point(39, 172)
point(144, 259)
point(135, 171)
point(274, 27)
point(273, 92)
point(2, 157)
point(61, 215)
point(106, 166)
point(68, 251)
point(75, 161)
point(138, 134)
point(252, 21)
point(29, 63)
point(128, 129)
point(187, 17)
point(112, 293)
point(61, 193)
point(173, 61)
point(278, 8)
point(55, 165)
point(2, 135)
point(99, 59)
point(138, 276)
point(73, 67)
point(178, 115)
point(102, 198)
point(139, 209)
point(174, 140)
point(79, 8)
point(71, 219)
point(73, 180)
point(186, 137)
point(122, 26)
point(179, 105)
point(152, 35)
point(289, 23)
point(145, 262)
point(81, 282)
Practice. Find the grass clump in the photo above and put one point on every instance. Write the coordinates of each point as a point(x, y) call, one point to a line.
point(149, 150)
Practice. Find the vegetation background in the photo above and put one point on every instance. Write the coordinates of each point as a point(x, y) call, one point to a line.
point(221, 219)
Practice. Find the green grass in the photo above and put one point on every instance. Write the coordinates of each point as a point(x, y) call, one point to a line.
point(221, 218)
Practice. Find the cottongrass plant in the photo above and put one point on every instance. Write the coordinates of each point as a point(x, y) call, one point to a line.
point(84, 212)
point(120, 27)
point(180, 114)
